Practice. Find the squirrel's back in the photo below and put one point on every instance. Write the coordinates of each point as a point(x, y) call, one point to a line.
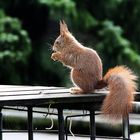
point(88, 69)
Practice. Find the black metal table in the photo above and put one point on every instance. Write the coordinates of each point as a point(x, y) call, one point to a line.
point(60, 98)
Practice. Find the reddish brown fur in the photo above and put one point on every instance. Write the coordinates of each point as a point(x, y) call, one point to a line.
point(122, 85)
point(84, 62)
point(86, 74)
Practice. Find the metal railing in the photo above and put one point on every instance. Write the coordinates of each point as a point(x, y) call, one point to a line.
point(33, 96)
point(63, 123)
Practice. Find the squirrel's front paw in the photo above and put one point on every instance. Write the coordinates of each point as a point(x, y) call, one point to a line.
point(56, 56)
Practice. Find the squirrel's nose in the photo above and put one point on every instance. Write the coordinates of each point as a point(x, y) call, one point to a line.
point(54, 49)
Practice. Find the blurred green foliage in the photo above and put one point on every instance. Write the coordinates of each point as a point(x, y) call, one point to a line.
point(116, 46)
point(15, 47)
point(111, 27)
point(14, 41)
point(65, 7)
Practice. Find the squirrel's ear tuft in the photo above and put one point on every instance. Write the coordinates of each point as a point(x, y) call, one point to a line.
point(63, 28)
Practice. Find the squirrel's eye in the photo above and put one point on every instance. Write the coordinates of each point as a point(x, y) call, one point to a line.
point(57, 42)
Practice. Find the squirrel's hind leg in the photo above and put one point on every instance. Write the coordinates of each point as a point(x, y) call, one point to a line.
point(76, 90)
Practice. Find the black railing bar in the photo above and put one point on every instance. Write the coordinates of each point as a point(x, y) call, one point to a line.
point(1, 123)
point(98, 113)
point(18, 109)
point(48, 131)
point(30, 122)
point(41, 112)
point(92, 125)
point(80, 115)
point(61, 125)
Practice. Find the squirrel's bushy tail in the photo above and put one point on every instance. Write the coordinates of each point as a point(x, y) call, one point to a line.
point(122, 85)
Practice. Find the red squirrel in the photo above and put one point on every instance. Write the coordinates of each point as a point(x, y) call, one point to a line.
point(86, 74)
